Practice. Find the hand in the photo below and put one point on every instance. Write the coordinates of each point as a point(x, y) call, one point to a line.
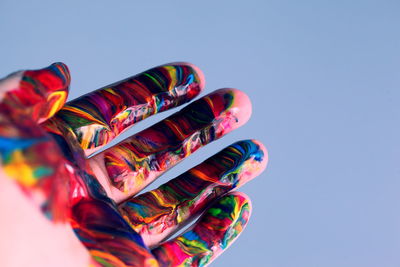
point(47, 159)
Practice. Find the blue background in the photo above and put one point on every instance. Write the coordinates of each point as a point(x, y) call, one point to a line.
point(324, 80)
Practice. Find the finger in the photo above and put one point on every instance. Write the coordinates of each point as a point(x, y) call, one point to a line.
point(28, 156)
point(157, 214)
point(38, 94)
point(98, 117)
point(216, 230)
point(137, 161)
point(107, 236)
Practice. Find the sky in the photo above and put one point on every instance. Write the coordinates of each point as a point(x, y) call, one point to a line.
point(323, 77)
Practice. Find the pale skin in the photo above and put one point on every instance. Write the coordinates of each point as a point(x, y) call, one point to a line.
point(28, 238)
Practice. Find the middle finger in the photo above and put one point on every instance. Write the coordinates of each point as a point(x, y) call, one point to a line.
point(128, 167)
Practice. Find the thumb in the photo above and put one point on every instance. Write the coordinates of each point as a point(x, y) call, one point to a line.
point(38, 94)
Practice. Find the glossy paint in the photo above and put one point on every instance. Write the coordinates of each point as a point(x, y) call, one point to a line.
point(46, 156)
point(96, 118)
point(137, 161)
point(218, 227)
point(156, 215)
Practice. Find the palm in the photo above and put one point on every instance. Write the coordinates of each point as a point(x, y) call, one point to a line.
point(116, 226)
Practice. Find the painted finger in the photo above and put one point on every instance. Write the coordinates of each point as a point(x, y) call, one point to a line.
point(216, 230)
point(157, 214)
point(139, 160)
point(107, 236)
point(98, 117)
point(37, 94)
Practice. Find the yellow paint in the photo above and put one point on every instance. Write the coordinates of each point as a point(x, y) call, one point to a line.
point(108, 256)
point(57, 100)
point(85, 115)
point(172, 73)
point(19, 170)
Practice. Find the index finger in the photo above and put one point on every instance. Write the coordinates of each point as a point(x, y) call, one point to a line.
point(98, 117)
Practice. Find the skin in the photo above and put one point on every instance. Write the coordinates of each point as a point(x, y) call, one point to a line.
point(64, 207)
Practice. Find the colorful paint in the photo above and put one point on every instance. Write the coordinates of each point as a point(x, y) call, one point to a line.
point(46, 156)
point(139, 160)
point(38, 94)
point(29, 97)
point(158, 213)
point(218, 227)
point(96, 118)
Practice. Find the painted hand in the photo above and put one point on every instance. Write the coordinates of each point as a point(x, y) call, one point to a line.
point(51, 153)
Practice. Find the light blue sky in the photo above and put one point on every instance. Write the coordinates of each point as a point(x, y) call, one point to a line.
point(324, 80)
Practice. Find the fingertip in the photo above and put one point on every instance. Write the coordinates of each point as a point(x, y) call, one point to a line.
point(243, 200)
point(195, 70)
point(263, 156)
point(198, 73)
point(241, 196)
point(238, 105)
point(243, 103)
point(64, 74)
point(53, 78)
point(254, 159)
point(231, 209)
